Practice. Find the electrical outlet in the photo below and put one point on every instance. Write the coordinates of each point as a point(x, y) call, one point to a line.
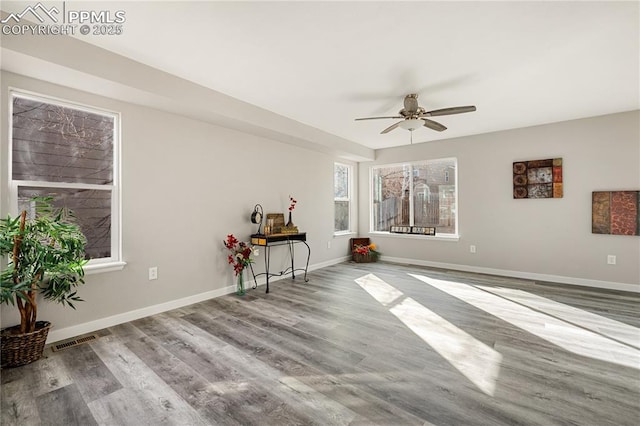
point(472, 248)
point(153, 273)
point(611, 260)
point(328, 244)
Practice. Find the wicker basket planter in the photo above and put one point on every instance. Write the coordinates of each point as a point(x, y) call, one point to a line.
point(371, 256)
point(20, 349)
point(365, 258)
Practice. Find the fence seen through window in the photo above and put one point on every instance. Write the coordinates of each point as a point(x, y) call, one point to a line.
point(67, 153)
point(342, 197)
point(415, 194)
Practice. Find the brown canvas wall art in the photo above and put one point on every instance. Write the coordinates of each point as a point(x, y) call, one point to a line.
point(615, 212)
point(538, 179)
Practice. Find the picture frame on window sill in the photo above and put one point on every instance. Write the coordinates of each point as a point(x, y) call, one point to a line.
point(423, 230)
point(414, 230)
point(400, 229)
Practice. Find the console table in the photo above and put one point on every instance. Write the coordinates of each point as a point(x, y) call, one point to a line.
point(290, 240)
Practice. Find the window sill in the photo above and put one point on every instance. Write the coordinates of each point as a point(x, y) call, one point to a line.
point(452, 238)
point(343, 234)
point(104, 267)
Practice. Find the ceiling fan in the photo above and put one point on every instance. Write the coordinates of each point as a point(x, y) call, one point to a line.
point(414, 116)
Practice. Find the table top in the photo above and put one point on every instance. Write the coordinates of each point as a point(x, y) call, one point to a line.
point(263, 240)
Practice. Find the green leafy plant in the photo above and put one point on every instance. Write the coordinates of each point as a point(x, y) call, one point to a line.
point(46, 256)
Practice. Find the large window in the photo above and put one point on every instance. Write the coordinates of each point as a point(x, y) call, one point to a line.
point(68, 152)
point(342, 197)
point(415, 194)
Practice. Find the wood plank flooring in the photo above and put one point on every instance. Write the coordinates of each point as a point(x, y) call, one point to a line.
point(359, 344)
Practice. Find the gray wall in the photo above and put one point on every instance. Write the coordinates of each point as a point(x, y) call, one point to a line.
point(186, 184)
point(548, 238)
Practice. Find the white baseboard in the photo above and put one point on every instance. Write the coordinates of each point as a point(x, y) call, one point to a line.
point(99, 324)
point(91, 326)
point(607, 285)
point(329, 263)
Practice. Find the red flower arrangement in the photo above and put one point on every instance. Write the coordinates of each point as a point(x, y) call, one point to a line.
point(365, 253)
point(371, 248)
point(293, 203)
point(241, 252)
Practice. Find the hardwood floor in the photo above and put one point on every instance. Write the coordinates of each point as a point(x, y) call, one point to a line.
point(358, 344)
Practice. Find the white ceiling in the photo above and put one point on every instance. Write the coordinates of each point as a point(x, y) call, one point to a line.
point(325, 63)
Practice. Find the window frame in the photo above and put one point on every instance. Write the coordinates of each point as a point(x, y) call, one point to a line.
point(448, 237)
point(348, 199)
point(106, 264)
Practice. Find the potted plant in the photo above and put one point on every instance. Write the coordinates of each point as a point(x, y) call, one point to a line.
point(45, 256)
point(239, 258)
point(365, 253)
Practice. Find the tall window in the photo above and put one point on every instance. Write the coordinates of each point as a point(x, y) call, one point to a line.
point(68, 152)
point(415, 194)
point(342, 197)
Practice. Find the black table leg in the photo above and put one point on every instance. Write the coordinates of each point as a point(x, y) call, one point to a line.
point(267, 251)
point(306, 268)
point(291, 254)
point(253, 274)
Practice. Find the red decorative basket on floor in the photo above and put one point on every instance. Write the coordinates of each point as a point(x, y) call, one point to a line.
point(364, 258)
point(360, 257)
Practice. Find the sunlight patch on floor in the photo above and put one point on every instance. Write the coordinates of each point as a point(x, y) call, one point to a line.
point(616, 330)
point(474, 359)
point(380, 290)
point(563, 332)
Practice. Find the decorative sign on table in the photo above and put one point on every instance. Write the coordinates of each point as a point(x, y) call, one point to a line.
point(538, 179)
point(615, 212)
point(275, 222)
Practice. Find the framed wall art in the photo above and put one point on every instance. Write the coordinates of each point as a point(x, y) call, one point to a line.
point(615, 212)
point(538, 179)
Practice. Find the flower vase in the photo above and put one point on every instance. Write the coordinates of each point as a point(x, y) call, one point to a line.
point(240, 290)
point(290, 223)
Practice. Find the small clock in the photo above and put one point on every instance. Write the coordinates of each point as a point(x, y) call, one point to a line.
point(257, 215)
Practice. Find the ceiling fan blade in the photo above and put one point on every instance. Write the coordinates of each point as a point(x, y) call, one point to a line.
point(377, 118)
point(390, 128)
point(433, 125)
point(449, 111)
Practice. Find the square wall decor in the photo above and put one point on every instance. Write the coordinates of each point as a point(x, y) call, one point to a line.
point(537, 178)
point(615, 212)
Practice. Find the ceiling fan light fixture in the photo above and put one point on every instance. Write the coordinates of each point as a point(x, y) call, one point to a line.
point(411, 124)
point(415, 116)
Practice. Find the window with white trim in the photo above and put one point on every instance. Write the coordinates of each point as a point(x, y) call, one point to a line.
point(68, 152)
point(342, 184)
point(422, 193)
